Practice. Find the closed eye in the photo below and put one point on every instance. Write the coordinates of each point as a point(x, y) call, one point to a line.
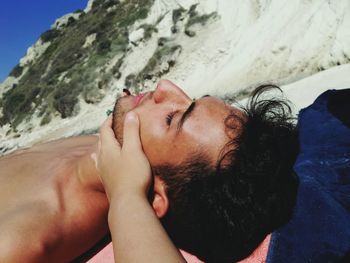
point(170, 117)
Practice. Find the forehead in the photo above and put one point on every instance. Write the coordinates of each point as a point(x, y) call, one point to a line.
point(210, 113)
point(205, 129)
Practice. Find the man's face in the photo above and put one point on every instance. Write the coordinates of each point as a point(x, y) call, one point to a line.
point(173, 126)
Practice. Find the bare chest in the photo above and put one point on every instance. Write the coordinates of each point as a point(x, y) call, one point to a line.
point(43, 215)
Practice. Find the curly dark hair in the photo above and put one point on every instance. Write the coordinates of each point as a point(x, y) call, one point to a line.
point(222, 213)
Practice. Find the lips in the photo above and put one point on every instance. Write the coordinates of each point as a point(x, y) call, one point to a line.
point(138, 98)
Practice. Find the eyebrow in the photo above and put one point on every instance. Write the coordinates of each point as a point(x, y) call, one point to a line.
point(187, 114)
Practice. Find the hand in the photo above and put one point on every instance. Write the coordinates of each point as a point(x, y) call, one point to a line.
point(123, 170)
point(126, 172)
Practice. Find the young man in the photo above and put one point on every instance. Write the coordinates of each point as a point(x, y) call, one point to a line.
point(223, 180)
point(228, 173)
point(319, 228)
point(53, 205)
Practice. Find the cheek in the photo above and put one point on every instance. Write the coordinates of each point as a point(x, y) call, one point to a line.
point(156, 150)
point(153, 137)
point(159, 146)
point(151, 134)
point(150, 125)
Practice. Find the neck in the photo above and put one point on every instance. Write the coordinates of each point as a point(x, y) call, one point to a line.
point(87, 174)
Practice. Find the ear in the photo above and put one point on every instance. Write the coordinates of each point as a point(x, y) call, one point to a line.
point(160, 201)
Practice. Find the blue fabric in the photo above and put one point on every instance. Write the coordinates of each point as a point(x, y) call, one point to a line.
point(319, 230)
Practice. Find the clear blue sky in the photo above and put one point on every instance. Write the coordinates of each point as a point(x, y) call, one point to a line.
point(23, 21)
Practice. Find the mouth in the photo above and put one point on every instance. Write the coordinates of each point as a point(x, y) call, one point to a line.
point(137, 99)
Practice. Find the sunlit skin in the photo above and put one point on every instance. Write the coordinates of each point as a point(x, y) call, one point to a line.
point(52, 202)
point(52, 205)
point(160, 112)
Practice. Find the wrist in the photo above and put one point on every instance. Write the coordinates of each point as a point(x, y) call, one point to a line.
point(120, 192)
point(126, 204)
point(123, 199)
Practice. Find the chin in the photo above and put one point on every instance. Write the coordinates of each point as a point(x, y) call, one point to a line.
point(122, 106)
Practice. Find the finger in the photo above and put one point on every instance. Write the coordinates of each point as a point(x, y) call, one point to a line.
point(94, 158)
point(131, 133)
point(107, 124)
point(107, 134)
point(109, 120)
point(99, 145)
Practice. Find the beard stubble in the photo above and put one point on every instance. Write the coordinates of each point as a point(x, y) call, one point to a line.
point(119, 113)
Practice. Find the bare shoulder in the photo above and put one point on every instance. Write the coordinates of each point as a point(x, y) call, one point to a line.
point(55, 147)
point(70, 142)
point(76, 140)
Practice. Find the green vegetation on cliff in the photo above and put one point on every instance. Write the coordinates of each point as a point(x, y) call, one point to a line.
point(85, 52)
point(70, 67)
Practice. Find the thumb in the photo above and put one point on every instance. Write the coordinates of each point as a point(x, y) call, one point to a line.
point(131, 133)
point(106, 135)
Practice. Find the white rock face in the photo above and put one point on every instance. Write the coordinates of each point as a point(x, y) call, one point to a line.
point(62, 21)
point(89, 40)
point(257, 41)
point(281, 40)
point(34, 52)
point(136, 35)
point(273, 40)
point(303, 92)
point(89, 6)
point(246, 43)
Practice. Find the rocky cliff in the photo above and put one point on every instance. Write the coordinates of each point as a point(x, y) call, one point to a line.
point(77, 68)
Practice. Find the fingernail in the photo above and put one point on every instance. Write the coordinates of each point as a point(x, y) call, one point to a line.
point(131, 116)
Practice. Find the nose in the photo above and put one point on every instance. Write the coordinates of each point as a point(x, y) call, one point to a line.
point(167, 91)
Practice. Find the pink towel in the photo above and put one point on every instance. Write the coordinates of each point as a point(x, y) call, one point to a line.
point(106, 256)
point(259, 255)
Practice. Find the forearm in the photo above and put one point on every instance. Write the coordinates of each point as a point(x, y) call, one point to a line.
point(137, 234)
